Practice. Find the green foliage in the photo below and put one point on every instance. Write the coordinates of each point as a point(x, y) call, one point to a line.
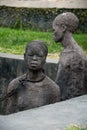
point(76, 127)
point(37, 18)
point(81, 40)
point(15, 40)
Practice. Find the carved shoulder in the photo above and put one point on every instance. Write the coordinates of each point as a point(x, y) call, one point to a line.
point(14, 85)
point(53, 87)
point(71, 59)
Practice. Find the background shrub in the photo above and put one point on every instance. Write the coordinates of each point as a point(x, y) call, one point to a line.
point(37, 18)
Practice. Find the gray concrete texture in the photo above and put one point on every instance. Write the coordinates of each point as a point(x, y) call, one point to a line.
point(45, 3)
point(56, 116)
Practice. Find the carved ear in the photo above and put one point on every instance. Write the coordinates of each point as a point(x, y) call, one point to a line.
point(63, 28)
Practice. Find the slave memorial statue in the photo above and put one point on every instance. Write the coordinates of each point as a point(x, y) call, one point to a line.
point(72, 62)
point(33, 89)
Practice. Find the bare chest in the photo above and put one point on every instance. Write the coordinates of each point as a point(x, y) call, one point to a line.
point(32, 95)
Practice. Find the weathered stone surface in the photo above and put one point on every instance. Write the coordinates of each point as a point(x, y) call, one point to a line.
point(72, 64)
point(12, 66)
point(51, 117)
point(44, 95)
point(9, 69)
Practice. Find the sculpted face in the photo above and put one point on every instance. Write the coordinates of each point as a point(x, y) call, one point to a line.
point(58, 33)
point(35, 58)
point(64, 22)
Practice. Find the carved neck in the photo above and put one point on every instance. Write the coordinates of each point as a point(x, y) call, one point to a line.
point(35, 76)
point(68, 41)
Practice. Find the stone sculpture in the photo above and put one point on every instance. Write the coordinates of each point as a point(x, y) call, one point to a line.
point(72, 62)
point(33, 89)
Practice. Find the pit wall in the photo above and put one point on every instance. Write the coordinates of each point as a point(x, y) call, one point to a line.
point(37, 18)
point(12, 67)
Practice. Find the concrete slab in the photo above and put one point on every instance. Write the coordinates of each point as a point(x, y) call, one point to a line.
point(45, 3)
point(50, 117)
point(21, 57)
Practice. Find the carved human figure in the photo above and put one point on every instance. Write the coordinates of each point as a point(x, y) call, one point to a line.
point(71, 66)
point(33, 89)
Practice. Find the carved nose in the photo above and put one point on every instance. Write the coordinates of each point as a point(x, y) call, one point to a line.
point(34, 57)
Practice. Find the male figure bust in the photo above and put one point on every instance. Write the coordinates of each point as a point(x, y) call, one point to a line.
point(71, 67)
point(33, 89)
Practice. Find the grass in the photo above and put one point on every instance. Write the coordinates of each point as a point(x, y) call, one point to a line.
point(14, 41)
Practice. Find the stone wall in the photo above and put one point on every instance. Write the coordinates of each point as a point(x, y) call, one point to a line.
point(12, 67)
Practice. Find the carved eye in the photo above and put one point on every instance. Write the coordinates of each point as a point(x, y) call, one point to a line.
point(40, 55)
point(30, 54)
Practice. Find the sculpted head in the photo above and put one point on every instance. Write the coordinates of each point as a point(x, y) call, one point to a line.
point(64, 22)
point(35, 55)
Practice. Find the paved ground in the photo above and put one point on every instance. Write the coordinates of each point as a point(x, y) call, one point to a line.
point(46, 3)
point(51, 117)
